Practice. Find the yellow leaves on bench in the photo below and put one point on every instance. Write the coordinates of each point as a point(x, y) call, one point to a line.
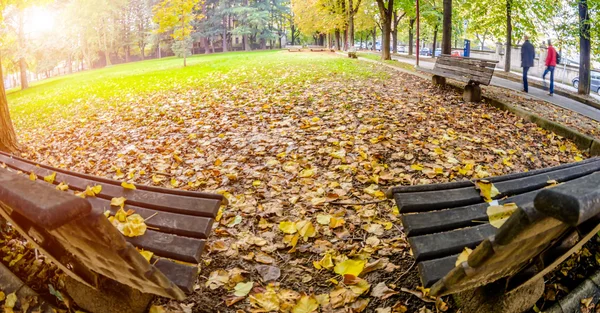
point(127, 185)
point(128, 223)
point(50, 178)
point(89, 191)
point(498, 214)
point(62, 187)
point(32, 176)
point(463, 257)
point(487, 190)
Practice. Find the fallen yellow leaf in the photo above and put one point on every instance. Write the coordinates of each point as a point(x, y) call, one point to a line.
point(50, 178)
point(464, 256)
point(350, 267)
point(288, 227)
point(127, 185)
point(498, 214)
point(306, 304)
point(487, 190)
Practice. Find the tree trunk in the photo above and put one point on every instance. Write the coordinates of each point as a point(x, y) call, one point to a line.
point(395, 33)
point(22, 62)
point(386, 13)
point(508, 36)
point(8, 138)
point(225, 48)
point(584, 48)
point(435, 32)
point(338, 41)
point(70, 64)
point(447, 28)
point(374, 38)
point(411, 36)
point(351, 22)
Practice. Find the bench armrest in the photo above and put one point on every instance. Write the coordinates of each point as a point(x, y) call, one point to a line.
point(572, 203)
point(39, 202)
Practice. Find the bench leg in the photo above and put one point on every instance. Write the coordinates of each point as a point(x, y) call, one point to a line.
point(472, 93)
point(493, 298)
point(438, 80)
point(110, 297)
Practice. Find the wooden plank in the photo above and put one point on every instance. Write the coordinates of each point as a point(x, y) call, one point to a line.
point(473, 70)
point(481, 78)
point(439, 245)
point(173, 223)
point(196, 194)
point(475, 67)
point(183, 276)
point(468, 58)
point(144, 198)
point(572, 203)
point(170, 246)
point(451, 75)
point(450, 198)
point(496, 179)
point(444, 220)
point(433, 270)
point(39, 202)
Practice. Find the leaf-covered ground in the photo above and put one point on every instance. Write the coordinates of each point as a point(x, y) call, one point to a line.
point(287, 137)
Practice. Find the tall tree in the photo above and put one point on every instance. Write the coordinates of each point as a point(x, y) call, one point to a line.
point(176, 16)
point(386, 11)
point(447, 28)
point(584, 48)
point(507, 53)
point(8, 138)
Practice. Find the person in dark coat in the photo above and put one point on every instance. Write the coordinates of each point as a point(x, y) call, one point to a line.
point(527, 56)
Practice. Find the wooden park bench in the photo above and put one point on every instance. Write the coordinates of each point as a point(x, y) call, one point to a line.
point(317, 48)
point(352, 53)
point(107, 272)
point(558, 211)
point(472, 71)
point(294, 48)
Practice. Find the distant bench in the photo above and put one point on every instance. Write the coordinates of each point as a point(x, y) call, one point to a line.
point(294, 48)
point(77, 236)
point(317, 48)
point(558, 211)
point(472, 71)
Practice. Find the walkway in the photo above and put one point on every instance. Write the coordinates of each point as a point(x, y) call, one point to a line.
point(541, 94)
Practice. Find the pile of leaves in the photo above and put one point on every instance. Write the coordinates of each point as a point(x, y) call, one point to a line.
point(304, 167)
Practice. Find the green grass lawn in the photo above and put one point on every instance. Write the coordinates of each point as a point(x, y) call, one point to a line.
point(67, 96)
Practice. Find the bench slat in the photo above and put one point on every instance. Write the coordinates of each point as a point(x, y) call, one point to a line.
point(437, 221)
point(433, 270)
point(173, 223)
point(183, 276)
point(438, 245)
point(479, 75)
point(572, 203)
point(477, 67)
point(467, 63)
point(194, 194)
point(469, 59)
point(468, 183)
point(158, 201)
point(33, 201)
point(170, 246)
point(442, 199)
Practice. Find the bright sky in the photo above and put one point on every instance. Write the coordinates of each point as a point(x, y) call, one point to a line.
point(39, 20)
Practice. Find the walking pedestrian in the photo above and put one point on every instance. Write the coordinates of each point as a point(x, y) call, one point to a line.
point(551, 59)
point(527, 56)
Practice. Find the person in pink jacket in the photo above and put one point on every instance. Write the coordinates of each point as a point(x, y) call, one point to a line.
point(550, 66)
